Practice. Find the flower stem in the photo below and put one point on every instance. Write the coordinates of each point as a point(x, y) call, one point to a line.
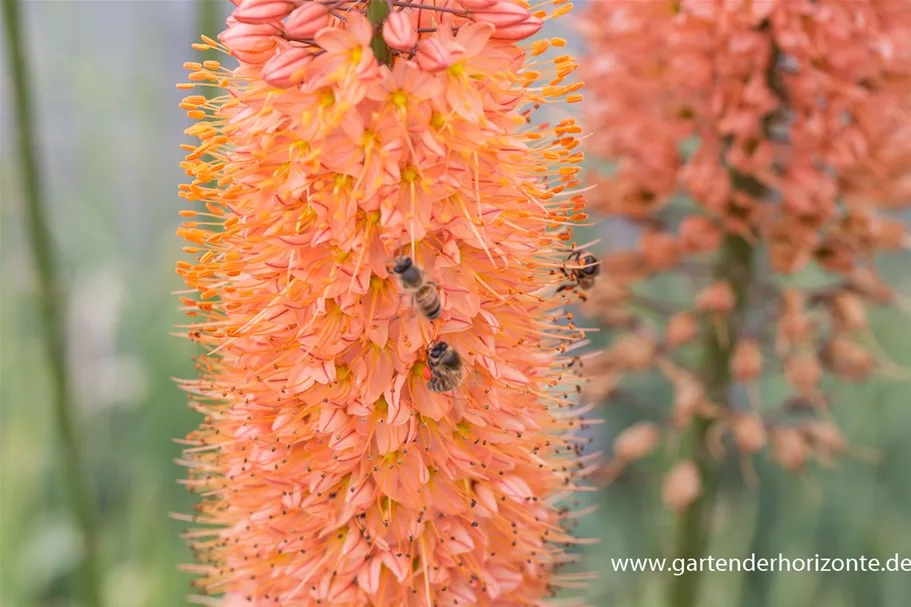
point(735, 266)
point(377, 11)
point(50, 306)
point(756, 586)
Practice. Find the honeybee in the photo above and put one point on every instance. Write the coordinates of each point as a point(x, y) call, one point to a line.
point(582, 277)
point(425, 295)
point(446, 370)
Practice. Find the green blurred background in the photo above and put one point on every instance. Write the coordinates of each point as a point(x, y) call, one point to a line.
point(103, 77)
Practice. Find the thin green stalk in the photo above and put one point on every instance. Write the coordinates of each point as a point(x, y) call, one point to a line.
point(50, 306)
point(735, 266)
point(756, 587)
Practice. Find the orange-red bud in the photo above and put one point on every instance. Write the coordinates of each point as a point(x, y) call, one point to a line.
point(501, 14)
point(634, 351)
point(826, 435)
point(749, 432)
point(689, 399)
point(717, 297)
point(847, 359)
point(804, 372)
point(866, 282)
point(681, 328)
point(848, 311)
point(660, 250)
point(287, 68)
point(251, 43)
point(519, 31)
point(399, 31)
point(891, 234)
point(637, 441)
point(306, 20)
point(433, 55)
point(699, 234)
point(746, 363)
point(262, 11)
point(682, 485)
point(789, 448)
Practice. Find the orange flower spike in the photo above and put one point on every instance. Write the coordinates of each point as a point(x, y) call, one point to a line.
point(331, 468)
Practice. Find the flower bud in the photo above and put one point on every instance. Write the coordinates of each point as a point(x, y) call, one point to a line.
point(681, 328)
point(637, 441)
point(660, 250)
point(857, 228)
point(848, 311)
point(789, 448)
point(699, 234)
point(794, 326)
point(749, 432)
point(891, 234)
point(789, 248)
point(804, 372)
point(682, 485)
point(826, 435)
point(306, 20)
point(433, 55)
point(868, 284)
point(250, 43)
point(399, 32)
point(717, 297)
point(502, 13)
point(847, 359)
point(634, 351)
point(262, 11)
point(287, 68)
point(519, 31)
point(746, 362)
point(689, 399)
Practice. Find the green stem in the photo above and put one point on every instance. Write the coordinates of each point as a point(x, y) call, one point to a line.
point(50, 306)
point(377, 11)
point(735, 266)
point(756, 586)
